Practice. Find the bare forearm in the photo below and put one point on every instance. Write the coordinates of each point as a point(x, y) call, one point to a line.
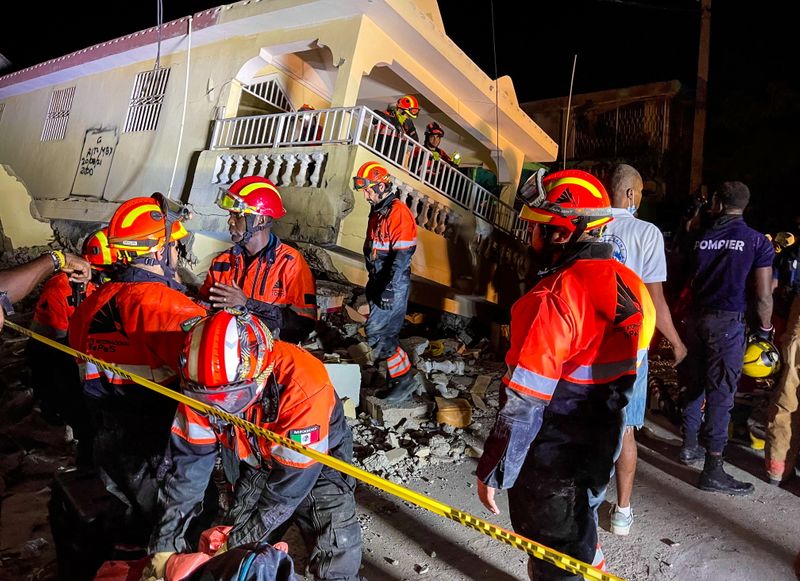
point(764, 310)
point(21, 280)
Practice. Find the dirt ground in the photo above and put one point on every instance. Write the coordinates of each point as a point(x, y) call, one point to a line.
point(680, 532)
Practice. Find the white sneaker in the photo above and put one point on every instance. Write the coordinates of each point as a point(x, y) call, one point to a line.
point(620, 523)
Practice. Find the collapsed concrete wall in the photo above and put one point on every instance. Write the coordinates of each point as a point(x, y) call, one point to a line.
point(20, 222)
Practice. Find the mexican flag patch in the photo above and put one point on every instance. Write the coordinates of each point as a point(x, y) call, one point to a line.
point(305, 436)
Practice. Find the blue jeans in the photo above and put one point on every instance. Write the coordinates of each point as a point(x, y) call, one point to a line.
point(710, 373)
point(634, 411)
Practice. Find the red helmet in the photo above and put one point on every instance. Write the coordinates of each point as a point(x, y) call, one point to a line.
point(226, 359)
point(410, 105)
point(565, 198)
point(139, 226)
point(96, 250)
point(434, 128)
point(370, 174)
point(306, 107)
point(252, 195)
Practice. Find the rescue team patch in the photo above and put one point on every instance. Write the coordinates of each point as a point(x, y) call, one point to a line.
point(305, 436)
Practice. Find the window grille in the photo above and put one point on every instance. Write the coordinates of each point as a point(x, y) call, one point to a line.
point(146, 100)
point(55, 124)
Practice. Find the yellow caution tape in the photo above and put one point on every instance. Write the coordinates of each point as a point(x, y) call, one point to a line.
point(532, 548)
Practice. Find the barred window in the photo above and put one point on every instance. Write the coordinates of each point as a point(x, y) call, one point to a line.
point(55, 124)
point(146, 99)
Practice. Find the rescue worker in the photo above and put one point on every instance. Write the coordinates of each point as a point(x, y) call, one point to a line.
point(726, 255)
point(134, 323)
point(397, 120)
point(54, 375)
point(433, 138)
point(231, 362)
point(389, 245)
point(575, 338)
point(17, 283)
point(260, 272)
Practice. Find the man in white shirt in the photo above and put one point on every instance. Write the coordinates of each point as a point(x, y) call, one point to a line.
point(638, 245)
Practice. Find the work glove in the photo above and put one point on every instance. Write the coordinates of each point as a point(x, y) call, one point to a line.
point(157, 567)
point(766, 334)
point(387, 299)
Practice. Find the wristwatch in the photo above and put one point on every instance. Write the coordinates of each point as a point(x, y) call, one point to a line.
point(58, 258)
point(5, 303)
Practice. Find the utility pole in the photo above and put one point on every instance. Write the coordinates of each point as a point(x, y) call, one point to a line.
point(700, 98)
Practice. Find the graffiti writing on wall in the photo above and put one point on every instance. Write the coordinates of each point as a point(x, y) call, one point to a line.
point(95, 163)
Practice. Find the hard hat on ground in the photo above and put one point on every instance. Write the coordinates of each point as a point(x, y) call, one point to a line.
point(410, 105)
point(252, 195)
point(569, 199)
point(761, 358)
point(226, 359)
point(139, 226)
point(370, 174)
point(96, 250)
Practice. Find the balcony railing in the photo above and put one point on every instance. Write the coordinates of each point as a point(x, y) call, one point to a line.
point(361, 126)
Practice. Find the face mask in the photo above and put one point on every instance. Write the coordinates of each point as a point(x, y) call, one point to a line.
point(632, 209)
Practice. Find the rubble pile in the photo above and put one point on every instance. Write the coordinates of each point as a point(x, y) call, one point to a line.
point(456, 400)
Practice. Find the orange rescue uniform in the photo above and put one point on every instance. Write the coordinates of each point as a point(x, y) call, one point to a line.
point(277, 282)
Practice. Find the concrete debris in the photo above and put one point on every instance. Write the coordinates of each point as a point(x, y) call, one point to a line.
point(393, 414)
point(415, 347)
point(349, 408)
point(396, 455)
point(346, 379)
point(421, 569)
point(456, 367)
point(361, 354)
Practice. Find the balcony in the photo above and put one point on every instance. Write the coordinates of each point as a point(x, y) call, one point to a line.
point(464, 231)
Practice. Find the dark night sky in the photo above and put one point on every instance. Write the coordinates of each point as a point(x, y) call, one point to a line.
point(618, 44)
point(754, 92)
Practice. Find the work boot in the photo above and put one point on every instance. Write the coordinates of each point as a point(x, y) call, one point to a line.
point(401, 388)
point(714, 478)
point(691, 452)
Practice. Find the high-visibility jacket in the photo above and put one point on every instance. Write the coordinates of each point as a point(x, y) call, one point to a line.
point(298, 402)
point(56, 305)
point(389, 245)
point(135, 325)
point(276, 278)
point(575, 342)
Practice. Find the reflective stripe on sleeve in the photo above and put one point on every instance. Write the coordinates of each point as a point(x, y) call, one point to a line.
point(404, 244)
point(192, 432)
point(530, 383)
point(289, 457)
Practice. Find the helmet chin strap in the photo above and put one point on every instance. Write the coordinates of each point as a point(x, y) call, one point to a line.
point(250, 228)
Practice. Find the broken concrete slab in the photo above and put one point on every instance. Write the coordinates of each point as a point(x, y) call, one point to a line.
point(395, 455)
point(349, 408)
point(346, 379)
point(392, 414)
